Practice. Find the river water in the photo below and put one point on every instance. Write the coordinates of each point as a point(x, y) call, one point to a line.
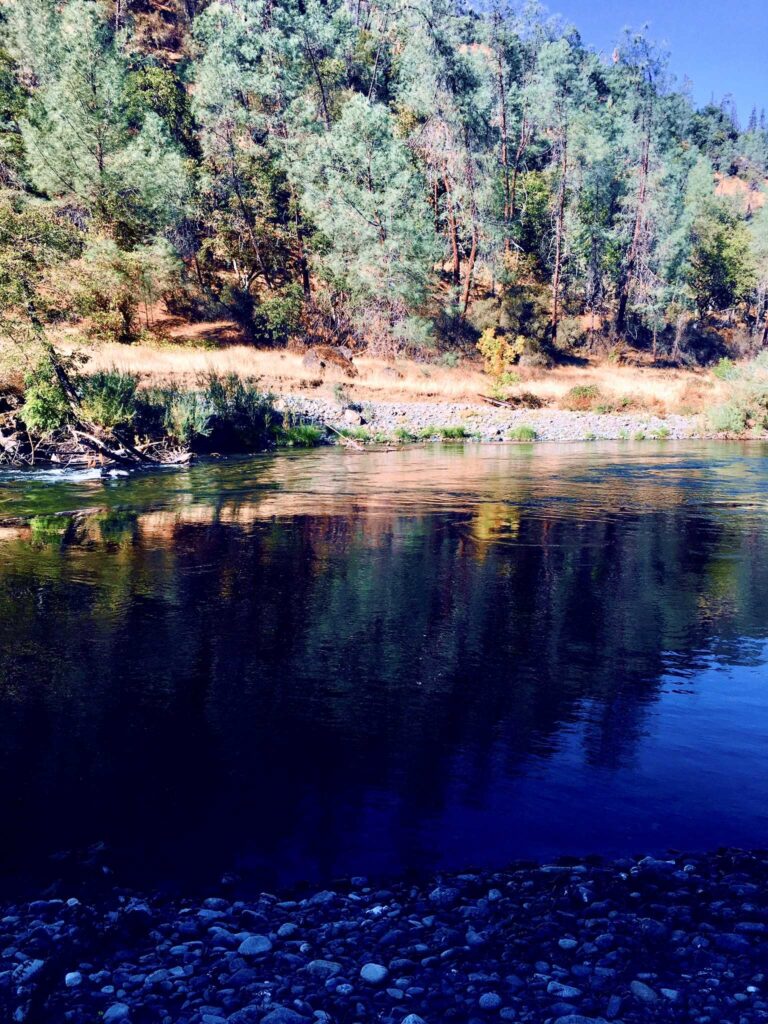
point(296, 667)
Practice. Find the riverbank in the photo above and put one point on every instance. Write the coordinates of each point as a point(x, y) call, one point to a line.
point(410, 421)
point(683, 938)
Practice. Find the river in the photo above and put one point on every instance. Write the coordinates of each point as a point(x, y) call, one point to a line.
point(297, 667)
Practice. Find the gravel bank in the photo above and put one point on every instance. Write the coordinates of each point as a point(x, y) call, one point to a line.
point(679, 939)
point(489, 423)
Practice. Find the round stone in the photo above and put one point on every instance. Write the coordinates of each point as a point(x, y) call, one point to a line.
point(254, 945)
point(374, 974)
point(489, 1001)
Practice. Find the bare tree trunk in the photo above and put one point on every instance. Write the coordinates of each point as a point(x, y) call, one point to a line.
point(470, 271)
point(559, 224)
point(628, 270)
point(453, 231)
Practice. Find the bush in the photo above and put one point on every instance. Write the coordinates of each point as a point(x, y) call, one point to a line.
point(300, 435)
point(747, 404)
point(108, 398)
point(731, 418)
point(582, 398)
point(522, 433)
point(187, 417)
point(45, 407)
point(453, 433)
point(242, 416)
point(278, 317)
point(499, 352)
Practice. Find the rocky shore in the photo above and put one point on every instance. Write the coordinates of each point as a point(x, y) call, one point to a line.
point(683, 938)
point(488, 423)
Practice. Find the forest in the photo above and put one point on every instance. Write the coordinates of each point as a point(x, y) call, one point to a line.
point(412, 179)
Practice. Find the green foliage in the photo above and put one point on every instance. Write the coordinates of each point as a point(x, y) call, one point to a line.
point(112, 287)
point(420, 181)
point(661, 434)
point(522, 433)
point(581, 398)
point(108, 398)
point(747, 404)
point(241, 416)
point(454, 433)
point(726, 369)
point(300, 435)
point(45, 407)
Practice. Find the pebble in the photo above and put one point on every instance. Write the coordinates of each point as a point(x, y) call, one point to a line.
point(489, 1001)
point(412, 954)
point(374, 974)
point(487, 423)
point(254, 945)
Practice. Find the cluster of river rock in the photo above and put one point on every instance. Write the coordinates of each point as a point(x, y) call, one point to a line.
point(678, 939)
point(490, 423)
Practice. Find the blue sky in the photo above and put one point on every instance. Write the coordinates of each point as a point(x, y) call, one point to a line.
point(721, 45)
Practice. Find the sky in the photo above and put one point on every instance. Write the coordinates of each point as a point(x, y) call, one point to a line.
point(720, 45)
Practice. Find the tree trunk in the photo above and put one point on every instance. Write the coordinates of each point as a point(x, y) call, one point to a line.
point(453, 232)
point(559, 223)
point(628, 270)
point(470, 271)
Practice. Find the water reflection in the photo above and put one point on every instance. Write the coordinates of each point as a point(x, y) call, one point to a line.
point(334, 663)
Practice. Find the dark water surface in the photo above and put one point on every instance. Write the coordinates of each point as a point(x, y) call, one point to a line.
point(297, 667)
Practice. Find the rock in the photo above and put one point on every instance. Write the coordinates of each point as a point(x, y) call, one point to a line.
point(283, 1015)
point(374, 974)
point(413, 1018)
point(254, 945)
point(26, 971)
point(116, 1012)
point(577, 1018)
point(320, 899)
point(489, 1001)
point(323, 968)
point(671, 994)
point(444, 895)
point(730, 942)
point(567, 944)
point(72, 979)
point(643, 992)
point(312, 361)
point(555, 988)
point(352, 418)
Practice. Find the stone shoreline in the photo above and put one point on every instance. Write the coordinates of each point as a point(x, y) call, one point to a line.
point(489, 423)
point(683, 938)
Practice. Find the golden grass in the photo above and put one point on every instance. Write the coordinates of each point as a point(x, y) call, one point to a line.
point(280, 371)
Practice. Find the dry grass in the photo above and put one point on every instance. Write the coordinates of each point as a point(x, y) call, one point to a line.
point(619, 386)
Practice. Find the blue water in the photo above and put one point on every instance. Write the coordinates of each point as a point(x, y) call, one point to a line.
point(332, 663)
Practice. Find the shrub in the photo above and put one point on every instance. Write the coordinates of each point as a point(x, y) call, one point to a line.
point(300, 435)
point(499, 352)
point(405, 436)
point(453, 433)
point(45, 407)
point(242, 417)
point(522, 433)
point(731, 418)
point(187, 417)
point(748, 400)
point(278, 317)
point(661, 434)
point(639, 435)
point(726, 369)
point(582, 398)
point(356, 433)
point(108, 398)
